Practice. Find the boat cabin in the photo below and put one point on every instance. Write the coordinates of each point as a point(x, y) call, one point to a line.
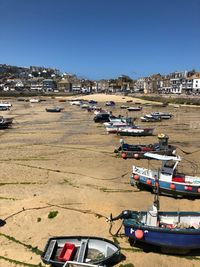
point(169, 165)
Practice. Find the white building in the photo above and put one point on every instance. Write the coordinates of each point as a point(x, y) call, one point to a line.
point(196, 82)
point(176, 80)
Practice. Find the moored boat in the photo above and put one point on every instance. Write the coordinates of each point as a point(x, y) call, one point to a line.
point(98, 110)
point(4, 124)
point(138, 151)
point(83, 250)
point(162, 115)
point(92, 102)
point(114, 127)
point(4, 108)
point(84, 105)
point(76, 102)
point(7, 120)
point(150, 118)
point(54, 109)
point(124, 107)
point(171, 182)
point(102, 117)
point(174, 232)
point(137, 108)
point(5, 104)
point(34, 100)
point(135, 131)
point(110, 104)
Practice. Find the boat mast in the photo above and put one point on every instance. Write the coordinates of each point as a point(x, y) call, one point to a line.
point(156, 191)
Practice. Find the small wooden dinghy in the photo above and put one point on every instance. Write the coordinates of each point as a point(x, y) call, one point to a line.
point(80, 251)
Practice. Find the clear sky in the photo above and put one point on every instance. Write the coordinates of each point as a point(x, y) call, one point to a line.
point(101, 38)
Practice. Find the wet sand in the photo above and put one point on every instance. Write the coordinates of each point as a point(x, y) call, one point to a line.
point(65, 162)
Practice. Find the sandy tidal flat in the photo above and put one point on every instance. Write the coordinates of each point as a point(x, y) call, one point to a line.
point(64, 162)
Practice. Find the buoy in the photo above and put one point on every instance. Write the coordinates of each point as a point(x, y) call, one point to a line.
point(148, 181)
point(198, 190)
point(136, 177)
point(124, 155)
point(172, 186)
point(136, 156)
point(139, 234)
point(189, 188)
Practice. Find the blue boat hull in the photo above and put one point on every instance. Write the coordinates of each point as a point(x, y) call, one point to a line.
point(170, 238)
point(165, 187)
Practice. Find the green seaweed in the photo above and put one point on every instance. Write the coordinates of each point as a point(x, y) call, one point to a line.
point(33, 249)
point(52, 214)
point(126, 265)
point(66, 181)
point(110, 190)
point(21, 263)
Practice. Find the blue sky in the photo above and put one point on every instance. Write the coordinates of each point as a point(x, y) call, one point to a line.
point(101, 38)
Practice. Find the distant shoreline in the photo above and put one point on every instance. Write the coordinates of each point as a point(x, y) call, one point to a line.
point(172, 99)
point(166, 99)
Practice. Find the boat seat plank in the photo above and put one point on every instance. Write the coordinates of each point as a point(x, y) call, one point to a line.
point(50, 251)
point(82, 250)
point(109, 251)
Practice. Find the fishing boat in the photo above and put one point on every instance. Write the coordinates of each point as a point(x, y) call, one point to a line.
point(84, 105)
point(135, 131)
point(54, 109)
point(115, 123)
point(171, 182)
point(174, 232)
point(95, 251)
point(124, 107)
point(150, 118)
point(4, 108)
point(115, 126)
point(34, 100)
point(4, 124)
point(110, 104)
point(113, 119)
point(162, 115)
point(138, 151)
point(138, 108)
point(98, 110)
point(5, 104)
point(6, 120)
point(76, 102)
point(92, 102)
point(102, 117)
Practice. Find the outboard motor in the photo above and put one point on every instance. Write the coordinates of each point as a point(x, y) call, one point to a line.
point(126, 214)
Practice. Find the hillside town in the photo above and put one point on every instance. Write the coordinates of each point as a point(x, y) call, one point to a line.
point(48, 80)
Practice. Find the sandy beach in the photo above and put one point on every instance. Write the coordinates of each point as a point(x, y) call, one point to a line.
point(64, 162)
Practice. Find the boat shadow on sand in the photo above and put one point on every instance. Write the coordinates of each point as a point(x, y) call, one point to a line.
point(164, 194)
point(147, 248)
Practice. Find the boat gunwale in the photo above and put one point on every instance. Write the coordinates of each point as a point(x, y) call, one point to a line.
point(106, 259)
